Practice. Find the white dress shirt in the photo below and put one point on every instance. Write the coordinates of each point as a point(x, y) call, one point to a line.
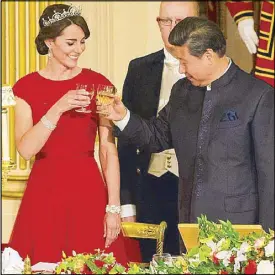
point(165, 161)
point(161, 163)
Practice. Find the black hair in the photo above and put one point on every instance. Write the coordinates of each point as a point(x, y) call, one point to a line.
point(199, 34)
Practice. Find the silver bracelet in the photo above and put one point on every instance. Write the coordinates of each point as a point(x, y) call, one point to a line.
point(48, 124)
point(114, 209)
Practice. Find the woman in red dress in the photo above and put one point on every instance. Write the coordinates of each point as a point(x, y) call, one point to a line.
point(64, 205)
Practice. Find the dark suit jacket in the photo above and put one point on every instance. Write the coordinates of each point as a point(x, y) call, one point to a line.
point(224, 141)
point(141, 92)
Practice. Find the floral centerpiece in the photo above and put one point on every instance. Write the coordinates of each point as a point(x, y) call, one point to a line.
point(97, 263)
point(221, 250)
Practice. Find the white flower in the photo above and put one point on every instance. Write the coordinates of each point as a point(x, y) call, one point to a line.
point(265, 267)
point(215, 246)
point(237, 266)
point(245, 247)
point(212, 245)
point(259, 243)
point(226, 262)
point(269, 249)
point(73, 253)
point(240, 257)
point(225, 256)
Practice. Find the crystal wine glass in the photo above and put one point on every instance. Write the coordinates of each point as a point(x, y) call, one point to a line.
point(91, 94)
point(105, 95)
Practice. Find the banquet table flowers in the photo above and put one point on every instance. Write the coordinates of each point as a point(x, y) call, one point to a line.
point(221, 250)
point(97, 263)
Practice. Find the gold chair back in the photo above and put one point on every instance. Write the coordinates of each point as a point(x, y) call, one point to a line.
point(146, 231)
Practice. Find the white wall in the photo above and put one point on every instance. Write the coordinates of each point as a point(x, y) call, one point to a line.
point(129, 31)
point(123, 30)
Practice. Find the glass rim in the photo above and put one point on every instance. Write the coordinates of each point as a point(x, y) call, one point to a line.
point(108, 89)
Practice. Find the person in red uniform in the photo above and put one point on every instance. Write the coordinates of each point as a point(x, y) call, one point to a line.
point(242, 12)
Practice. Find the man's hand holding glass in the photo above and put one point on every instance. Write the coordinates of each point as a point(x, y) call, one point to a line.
point(111, 109)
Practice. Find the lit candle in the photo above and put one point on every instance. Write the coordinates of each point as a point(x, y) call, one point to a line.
point(5, 136)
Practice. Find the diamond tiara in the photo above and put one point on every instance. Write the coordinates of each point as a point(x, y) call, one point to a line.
point(57, 16)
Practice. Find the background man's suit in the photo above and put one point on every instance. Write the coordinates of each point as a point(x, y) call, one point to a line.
point(155, 198)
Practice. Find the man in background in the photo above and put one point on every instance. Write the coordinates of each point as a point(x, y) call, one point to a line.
point(149, 182)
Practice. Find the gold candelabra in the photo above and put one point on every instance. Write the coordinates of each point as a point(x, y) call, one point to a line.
point(7, 101)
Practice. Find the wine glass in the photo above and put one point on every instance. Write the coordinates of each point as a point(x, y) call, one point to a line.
point(159, 260)
point(91, 93)
point(163, 257)
point(105, 95)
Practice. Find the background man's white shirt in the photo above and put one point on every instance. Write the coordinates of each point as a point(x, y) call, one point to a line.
point(165, 161)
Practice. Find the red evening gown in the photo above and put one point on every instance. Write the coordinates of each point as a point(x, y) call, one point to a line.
point(64, 203)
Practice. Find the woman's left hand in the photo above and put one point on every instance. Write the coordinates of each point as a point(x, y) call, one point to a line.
point(112, 227)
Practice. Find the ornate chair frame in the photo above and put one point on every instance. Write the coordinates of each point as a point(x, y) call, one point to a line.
point(146, 231)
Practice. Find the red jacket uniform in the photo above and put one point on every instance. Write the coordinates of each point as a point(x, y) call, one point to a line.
point(265, 55)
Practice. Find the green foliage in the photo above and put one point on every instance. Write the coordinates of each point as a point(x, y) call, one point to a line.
point(220, 251)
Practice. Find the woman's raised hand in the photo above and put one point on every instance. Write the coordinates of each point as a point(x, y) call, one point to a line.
point(73, 99)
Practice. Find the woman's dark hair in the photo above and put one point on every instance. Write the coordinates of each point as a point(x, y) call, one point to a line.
point(55, 29)
point(199, 34)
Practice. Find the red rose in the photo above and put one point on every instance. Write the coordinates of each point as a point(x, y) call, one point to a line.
point(232, 259)
point(216, 261)
point(251, 268)
point(99, 263)
point(224, 272)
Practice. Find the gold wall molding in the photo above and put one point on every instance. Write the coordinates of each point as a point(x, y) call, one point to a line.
point(20, 57)
point(104, 38)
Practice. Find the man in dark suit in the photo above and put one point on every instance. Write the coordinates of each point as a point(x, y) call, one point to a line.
point(149, 182)
point(220, 120)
